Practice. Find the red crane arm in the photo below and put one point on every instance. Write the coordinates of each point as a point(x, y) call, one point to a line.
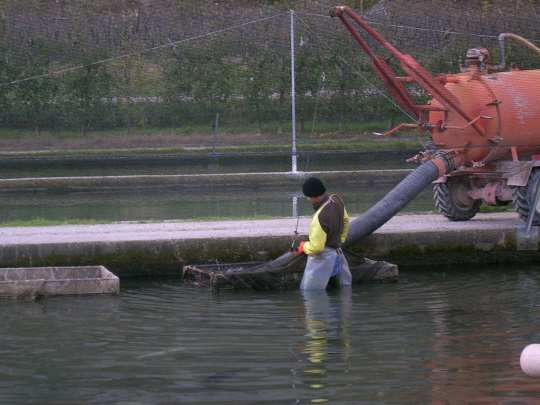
point(415, 72)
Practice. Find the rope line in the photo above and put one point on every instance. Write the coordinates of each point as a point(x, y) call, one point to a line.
point(472, 34)
point(170, 44)
point(381, 92)
point(361, 75)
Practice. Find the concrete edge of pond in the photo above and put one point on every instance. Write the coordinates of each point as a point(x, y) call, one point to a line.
point(161, 249)
point(201, 181)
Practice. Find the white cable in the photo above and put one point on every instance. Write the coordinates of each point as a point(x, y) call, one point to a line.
point(127, 55)
point(362, 76)
point(415, 28)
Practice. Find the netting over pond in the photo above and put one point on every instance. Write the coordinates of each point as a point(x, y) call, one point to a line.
point(281, 274)
point(194, 73)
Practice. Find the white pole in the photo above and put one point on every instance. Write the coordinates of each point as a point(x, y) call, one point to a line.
point(293, 97)
point(295, 206)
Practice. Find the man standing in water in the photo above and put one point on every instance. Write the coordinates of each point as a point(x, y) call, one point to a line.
point(328, 230)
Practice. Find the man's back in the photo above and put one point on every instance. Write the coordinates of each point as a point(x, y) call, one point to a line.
point(332, 218)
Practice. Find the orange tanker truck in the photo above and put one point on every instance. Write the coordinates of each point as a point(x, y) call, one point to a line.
point(484, 125)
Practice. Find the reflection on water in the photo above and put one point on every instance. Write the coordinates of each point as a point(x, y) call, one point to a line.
point(327, 327)
point(450, 337)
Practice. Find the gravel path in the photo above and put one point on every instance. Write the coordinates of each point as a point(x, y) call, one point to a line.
point(232, 229)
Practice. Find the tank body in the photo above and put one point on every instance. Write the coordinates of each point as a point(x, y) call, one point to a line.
point(484, 127)
point(507, 108)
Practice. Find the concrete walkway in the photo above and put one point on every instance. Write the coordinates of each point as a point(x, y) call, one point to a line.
point(125, 232)
point(163, 248)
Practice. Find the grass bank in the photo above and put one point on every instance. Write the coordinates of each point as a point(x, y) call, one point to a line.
point(200, 140)
point(78, 221)
point(47, 222)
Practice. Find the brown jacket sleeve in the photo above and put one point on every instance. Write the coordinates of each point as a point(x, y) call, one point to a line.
point(331, 220)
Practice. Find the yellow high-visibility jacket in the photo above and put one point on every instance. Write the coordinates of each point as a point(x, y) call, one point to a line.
point(329, 226)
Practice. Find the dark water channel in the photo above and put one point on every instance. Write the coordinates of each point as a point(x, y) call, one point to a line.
point(170, 204)
point(210, 202)
point(451, 337)
point(179, 164)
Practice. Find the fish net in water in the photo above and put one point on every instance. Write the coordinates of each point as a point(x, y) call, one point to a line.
point(283, 273)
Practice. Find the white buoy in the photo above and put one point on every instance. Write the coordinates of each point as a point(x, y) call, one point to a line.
point(530, 360)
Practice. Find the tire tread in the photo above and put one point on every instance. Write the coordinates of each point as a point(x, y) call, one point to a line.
point(444, 203)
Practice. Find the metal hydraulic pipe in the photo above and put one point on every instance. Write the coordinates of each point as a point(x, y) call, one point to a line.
point(415, 72)
point(339, 12)
point(502, 57)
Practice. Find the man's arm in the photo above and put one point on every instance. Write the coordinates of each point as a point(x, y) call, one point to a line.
point(317, 240)
point(345, 232)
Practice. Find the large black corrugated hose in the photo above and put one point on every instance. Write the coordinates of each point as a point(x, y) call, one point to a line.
point(380, 213)
point(392, 202)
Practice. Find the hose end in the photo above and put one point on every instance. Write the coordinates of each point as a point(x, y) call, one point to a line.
point(447, 162)
point(442, 165)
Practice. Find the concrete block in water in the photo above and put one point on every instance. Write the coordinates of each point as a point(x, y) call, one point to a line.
point(48, 281)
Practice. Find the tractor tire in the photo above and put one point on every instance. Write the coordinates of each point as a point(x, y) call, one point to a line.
point(523, 198)
point(452, 201)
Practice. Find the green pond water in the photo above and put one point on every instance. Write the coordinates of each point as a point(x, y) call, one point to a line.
point(171, 164)
point(451, 337)
point(171, 204)
point(148, 204)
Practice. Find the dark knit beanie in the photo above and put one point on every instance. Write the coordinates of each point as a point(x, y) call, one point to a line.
point(313, 187)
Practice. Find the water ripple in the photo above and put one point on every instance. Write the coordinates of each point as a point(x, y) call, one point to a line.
point(432, 337)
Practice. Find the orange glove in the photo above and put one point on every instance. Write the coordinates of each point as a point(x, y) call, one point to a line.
point(299, 250)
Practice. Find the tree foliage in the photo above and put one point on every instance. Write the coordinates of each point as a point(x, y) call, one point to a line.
point(244, 75)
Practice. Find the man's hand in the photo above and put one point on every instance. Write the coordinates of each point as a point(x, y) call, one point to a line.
point(297, 248)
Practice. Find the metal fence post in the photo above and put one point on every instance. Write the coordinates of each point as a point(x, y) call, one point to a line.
point(293, 99)
point(215, 127)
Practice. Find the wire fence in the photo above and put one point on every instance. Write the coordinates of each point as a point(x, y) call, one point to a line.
point(161, 73)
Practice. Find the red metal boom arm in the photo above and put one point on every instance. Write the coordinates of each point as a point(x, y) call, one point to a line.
point(415, 72)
